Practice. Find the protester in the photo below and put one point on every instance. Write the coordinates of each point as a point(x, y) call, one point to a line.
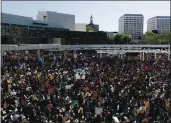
point(62, 89)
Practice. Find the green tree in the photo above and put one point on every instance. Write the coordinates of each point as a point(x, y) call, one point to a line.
point(126, 38)
point(151, 38)
point(118, 38)
point(111, 37)
point(89, 29)
point(122, 38)
point(166, 37)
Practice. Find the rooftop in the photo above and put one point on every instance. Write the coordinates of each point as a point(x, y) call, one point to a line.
point(132, 15)
point(168, 17)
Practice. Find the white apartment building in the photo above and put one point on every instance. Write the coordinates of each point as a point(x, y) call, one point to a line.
point(80, 27)
point(159, 23)
point(132, 24)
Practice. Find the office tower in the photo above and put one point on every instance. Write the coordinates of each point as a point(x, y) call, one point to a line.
point(159, 23)
point(132, 24)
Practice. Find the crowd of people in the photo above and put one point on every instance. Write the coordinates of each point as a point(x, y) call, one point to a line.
point(60, 87)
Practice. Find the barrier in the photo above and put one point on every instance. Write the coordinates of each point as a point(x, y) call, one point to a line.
point(78, 47)
point(114, 48)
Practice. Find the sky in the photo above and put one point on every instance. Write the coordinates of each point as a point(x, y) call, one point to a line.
point(105, 13)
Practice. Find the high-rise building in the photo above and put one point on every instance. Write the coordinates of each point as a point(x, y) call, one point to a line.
point(95, 27)
point(159, 23)
point(132, 24)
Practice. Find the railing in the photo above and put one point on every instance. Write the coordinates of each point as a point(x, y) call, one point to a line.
point(132, 51)
point(115, 48)
point(78, 47)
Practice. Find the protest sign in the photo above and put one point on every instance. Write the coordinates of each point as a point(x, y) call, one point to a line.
point(79, 76)
point(115, 119)
point(13, 93)
point(98, 110)
point(67, 87)
point(65, 72)
point(79, 73)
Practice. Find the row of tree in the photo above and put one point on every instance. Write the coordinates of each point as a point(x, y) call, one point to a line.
point(153, 38)
point(147, 38)
point(120, 38)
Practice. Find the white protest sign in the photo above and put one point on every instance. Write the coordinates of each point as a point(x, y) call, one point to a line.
point(116, 119)
point(67, 87)
point(13, 93)
point(65, 72)
point(98, 110)
point(79, 73)
point(77, 76)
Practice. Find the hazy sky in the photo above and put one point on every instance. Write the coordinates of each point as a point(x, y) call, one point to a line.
point(105, 13)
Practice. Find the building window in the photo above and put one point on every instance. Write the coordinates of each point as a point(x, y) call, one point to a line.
point(44, 18)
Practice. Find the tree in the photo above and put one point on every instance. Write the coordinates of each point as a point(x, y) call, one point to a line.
point(117, 39)
point(111, 37)
point(126, 38)
point(153, 38)
point(122, 38)
point(165, 37)
point(89, 29)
